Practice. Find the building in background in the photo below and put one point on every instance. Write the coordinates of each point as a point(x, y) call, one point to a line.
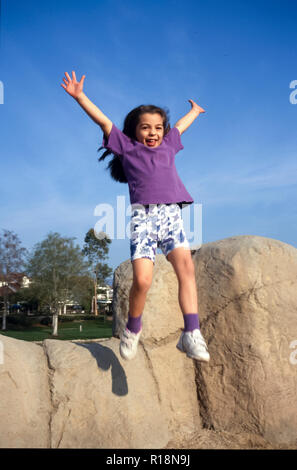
point(104, 299)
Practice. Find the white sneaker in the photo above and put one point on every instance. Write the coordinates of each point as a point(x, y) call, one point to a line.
point(128, 344)
point(192, 343)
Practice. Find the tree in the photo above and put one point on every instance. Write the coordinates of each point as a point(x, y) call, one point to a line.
point(12, 259)
point(97, 249)
point(82, 289)
point(54, 266)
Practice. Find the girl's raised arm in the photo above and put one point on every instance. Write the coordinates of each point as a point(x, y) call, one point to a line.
point(183, 123)
point(75, 89)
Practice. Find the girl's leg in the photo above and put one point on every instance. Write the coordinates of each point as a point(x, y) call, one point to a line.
point(143, 246)
point(142, 280)
point(191, 340)
point(182, 262)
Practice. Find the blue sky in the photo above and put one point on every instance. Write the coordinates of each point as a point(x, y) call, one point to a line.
point(234, 58)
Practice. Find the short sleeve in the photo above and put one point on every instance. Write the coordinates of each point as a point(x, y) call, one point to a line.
point(117, 141)
point(173, 139)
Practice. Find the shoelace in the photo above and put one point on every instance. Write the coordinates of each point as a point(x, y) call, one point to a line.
point(198, 339)
point(127, 339)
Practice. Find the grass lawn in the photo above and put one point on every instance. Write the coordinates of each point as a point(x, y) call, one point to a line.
point(91, 329)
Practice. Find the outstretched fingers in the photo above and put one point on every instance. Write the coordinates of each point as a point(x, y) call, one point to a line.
point(68, 77)
point(73, 79)
point(65, 84)
point(71, 85)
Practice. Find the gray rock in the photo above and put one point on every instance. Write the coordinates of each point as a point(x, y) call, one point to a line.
point(25, 405)
point(101, 401)
point(248, 308)
point(71, 394)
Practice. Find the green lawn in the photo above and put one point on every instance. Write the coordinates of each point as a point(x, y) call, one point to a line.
point(91, 329)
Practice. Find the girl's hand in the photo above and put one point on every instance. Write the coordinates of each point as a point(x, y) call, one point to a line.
point(73, 87)
point(196, 107)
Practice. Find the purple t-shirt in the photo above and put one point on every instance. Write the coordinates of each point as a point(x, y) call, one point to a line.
point(151, 172)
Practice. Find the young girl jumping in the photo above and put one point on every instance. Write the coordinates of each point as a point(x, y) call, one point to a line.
point(143, 157)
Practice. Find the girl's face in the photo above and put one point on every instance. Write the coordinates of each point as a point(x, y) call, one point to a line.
point(150, 129)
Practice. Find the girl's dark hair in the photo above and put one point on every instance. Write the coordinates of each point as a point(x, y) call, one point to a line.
point(131, 120)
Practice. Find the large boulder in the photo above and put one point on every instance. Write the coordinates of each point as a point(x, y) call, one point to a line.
point(247, 290)
point(73, 394)
point(100, 400)
point(25, 404)
point(248, 313)
point(69, 394)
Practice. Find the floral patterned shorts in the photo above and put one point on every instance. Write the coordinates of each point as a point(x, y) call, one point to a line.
point(156, 226)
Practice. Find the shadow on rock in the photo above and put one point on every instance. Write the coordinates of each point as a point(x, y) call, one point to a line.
point(106, 359)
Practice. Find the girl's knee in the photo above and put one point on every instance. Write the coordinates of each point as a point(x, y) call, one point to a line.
point(186, 269)
point(142, 283)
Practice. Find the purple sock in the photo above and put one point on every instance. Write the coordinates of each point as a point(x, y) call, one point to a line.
point(191, 321)
point(134, 323)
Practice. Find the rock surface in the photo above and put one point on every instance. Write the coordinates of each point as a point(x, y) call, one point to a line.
point(67, 394)
point(72, 394)
point(247, 289)
point(24, 395)
point(247, 296)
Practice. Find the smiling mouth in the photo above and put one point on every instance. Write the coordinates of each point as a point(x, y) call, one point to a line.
point(151, 142)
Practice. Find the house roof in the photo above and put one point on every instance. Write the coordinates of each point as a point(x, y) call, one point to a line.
point(13, 283)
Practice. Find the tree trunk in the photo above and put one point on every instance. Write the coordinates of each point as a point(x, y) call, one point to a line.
point(4, 313)
point(55, 324)
point(95, 299)
point(4, 321)
point(55, 305)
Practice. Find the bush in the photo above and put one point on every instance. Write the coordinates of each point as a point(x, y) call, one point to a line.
point(19, 319)
point(46, 321)
point(68, 318)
